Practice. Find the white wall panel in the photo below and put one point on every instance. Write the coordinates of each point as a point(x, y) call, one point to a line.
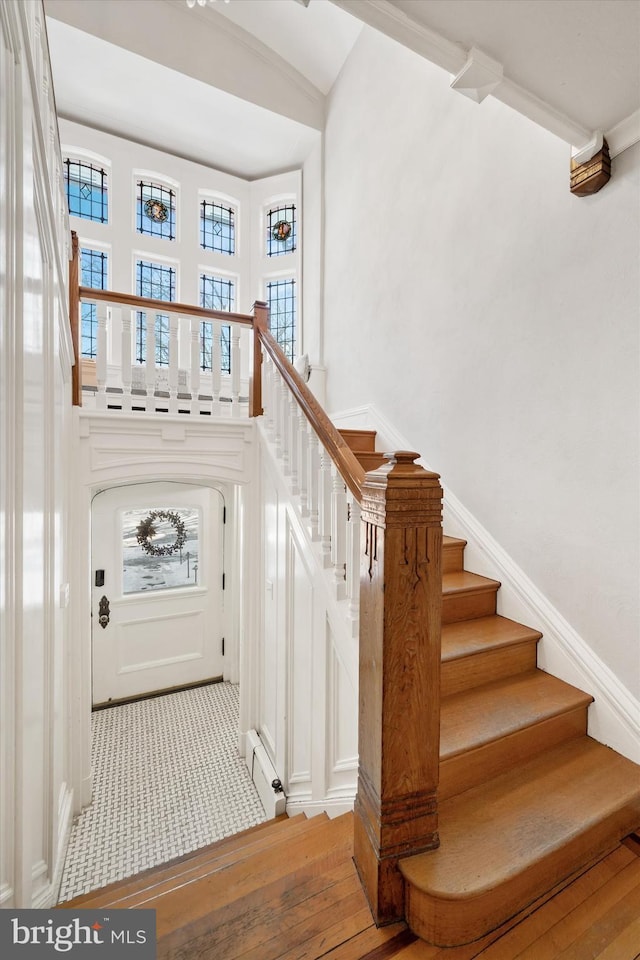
point(35, 361)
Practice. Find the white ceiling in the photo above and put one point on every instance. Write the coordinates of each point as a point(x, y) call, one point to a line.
point(242, 85)
point(580, 56)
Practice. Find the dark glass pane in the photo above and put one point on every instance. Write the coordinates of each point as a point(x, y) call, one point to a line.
point(281, 231)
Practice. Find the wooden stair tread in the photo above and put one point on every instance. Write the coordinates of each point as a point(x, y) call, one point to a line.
point(467, 637)
point(461, 581)
point(495, 710)
point(506, 841)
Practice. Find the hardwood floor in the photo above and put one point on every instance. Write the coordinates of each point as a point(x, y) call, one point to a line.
point(288, 890)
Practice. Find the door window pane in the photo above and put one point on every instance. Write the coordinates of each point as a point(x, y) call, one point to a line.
point(160, 548)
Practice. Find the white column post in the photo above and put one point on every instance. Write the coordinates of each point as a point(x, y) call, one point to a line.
point(216, 361)
point(353, 557)
point(125, 349)
point(303, 463)
point(194, 365)
point(101, 356)
point(313, 460)
point(338, 532)
point(235, 369)
point(173, 363)
point(324, 504)
point(150, 364)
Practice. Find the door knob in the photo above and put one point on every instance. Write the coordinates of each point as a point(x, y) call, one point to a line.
point(103, 612)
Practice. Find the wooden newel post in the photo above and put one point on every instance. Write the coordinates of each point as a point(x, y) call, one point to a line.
point(261, 322)
point(399, 719)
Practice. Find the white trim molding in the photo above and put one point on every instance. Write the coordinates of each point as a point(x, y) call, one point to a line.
point(614, 717)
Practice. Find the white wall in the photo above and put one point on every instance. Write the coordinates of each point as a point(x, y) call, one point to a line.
point(35, 417)
point(493, 318)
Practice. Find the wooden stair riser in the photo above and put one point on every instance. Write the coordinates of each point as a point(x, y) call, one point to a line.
point(452, 555)
point(466, 672)
point(472, 767)
point(469, 604)
point(370, 459)
point(359, 440)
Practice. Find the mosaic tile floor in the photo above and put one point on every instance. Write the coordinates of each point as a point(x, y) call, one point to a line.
point(167, 780)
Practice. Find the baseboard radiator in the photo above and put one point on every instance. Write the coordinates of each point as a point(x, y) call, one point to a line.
point(263, 773)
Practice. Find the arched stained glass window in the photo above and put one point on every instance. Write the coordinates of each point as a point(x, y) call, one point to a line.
point(156, 210)
point(217, 227)
point(281, 230)
point(86, 189)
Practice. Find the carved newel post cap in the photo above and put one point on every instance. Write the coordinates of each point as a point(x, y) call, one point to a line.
point(403, 462)
point(401, 493)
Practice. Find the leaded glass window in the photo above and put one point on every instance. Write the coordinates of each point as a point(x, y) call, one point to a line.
point(281, 230)
point(281, 297)
point(86, 189)
point(156, 210)
point(93, 273)
point(159, 282)
point(217, 227)
point(216, 293)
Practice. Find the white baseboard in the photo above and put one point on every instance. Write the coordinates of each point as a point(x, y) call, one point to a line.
point(333, 807)
point(263, 774)
point(614, 717)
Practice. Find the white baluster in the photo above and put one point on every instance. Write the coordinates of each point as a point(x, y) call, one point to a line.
point(338, 532)
point(101, 356)
point(194, 365)
point(313, 460)
point(151, 362)
point(324, 505)
point(277, 413)
point(173, 364)
point(267, 394)
point(303, 463)
point(216, 361)
point(235, 369)
point(125, 347)
point(285, 425)
point(294, 444)
point(353, 559)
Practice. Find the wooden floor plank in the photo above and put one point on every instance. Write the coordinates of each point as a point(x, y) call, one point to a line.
point(626, 946)
point(574, 923)
point(330, 937)
point(247, 920)
point(544, 917)
point(365, 944)
point(604, 929)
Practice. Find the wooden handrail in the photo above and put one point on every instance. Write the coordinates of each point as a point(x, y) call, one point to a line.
point(336, 446)
point(166, 306)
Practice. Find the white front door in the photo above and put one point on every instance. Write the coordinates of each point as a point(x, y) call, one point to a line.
point(157, 588)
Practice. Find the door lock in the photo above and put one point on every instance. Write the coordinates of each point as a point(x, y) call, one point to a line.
point(103, 612)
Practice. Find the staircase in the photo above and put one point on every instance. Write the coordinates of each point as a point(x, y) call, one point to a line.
point(526, 799)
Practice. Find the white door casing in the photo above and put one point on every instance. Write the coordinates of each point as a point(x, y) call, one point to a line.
point(159, 635)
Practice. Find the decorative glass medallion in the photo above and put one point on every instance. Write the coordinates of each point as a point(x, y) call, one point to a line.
point(281, 230)
point(156, 210)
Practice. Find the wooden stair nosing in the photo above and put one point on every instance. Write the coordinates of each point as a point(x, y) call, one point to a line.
point(233, 849)
point(506, 841)
point(467, 596)
point(191, 858)
point(464, 638)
